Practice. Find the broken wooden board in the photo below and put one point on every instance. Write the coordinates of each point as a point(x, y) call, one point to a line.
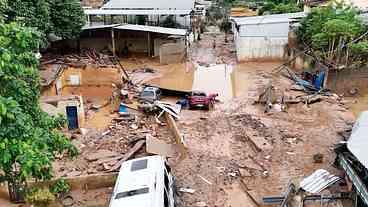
point(159, 147)
point(260, 143)
point(100, 154)
point(128, 155)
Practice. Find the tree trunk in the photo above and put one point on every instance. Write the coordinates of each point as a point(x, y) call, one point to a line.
point(16, 191)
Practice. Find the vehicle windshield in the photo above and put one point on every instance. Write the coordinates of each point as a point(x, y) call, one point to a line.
point(147, 94)
point(199, 94)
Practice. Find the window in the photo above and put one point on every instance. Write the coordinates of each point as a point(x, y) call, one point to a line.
point(131, 193)
point(139, 165)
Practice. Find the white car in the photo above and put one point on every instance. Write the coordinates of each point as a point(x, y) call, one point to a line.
point(144, 182)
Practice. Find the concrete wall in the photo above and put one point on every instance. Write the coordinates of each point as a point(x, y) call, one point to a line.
point(260, 48)
point(261, 41)
point(172, 52)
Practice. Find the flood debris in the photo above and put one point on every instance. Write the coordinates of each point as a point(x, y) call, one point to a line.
point(187, 190)
point(86, 57)
point(159, 147)
point(128, 155)
point(205, 180)
point(318, 181)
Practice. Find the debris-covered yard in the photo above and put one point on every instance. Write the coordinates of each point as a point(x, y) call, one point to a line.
point(236, 153)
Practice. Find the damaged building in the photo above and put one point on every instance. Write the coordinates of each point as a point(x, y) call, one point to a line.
point(167, 44)
point(67, 90)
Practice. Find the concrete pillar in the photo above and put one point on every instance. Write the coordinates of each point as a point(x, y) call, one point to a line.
point(149, 43)
point(113, 41)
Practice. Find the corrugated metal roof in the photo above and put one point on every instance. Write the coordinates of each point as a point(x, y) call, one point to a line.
point(137, 12)
point(87, 27)
point(149, 4)
point(358, 141)
point(267, 19)
point(162, 30)
point(318, 181)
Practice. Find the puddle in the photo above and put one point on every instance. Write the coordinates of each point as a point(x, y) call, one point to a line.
point(227, 81)
point(358, 104)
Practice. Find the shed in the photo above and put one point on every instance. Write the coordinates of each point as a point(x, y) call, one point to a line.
point(136, 39)
point(262, 37)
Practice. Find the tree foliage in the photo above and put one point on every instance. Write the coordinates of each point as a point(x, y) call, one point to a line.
point(329, 30)
point(279, 7)
point(170, 22)
point(67, 18)
point(63, 18)
point(29, 138)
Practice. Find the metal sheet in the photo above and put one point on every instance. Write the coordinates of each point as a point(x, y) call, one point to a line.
point(265, 19)
point(135, 12)
point(358, 141)
point(162, 30)
point(318, 181)
point(93, 27)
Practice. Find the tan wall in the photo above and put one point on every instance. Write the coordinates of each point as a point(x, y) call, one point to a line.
point(172, 52)
point(93, 82)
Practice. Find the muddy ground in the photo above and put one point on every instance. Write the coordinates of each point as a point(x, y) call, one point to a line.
point(234, 148)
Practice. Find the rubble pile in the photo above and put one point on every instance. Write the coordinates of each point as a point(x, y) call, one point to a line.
point(103, 152)
point(86, 57)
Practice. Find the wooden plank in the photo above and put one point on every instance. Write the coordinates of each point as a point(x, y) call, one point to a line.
point(128, 155)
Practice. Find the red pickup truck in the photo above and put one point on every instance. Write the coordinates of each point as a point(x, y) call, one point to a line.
point(199, 99)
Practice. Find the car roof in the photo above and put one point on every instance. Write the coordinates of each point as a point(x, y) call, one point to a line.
point(150, 89)
point(140, 174)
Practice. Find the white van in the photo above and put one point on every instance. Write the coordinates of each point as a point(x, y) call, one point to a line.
point(144, 182)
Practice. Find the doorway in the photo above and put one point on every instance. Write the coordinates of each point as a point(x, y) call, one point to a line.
point(72, 116)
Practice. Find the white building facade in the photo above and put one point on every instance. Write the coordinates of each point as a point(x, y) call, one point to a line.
point(262, 37)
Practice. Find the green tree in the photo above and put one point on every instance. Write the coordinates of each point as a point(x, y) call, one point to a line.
point(285, 8)
point(29, 138)
point(328, 30)
point(170, 22)
point(64, 18)
point(67, 18)
point(31, 13)
point(280, 7)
